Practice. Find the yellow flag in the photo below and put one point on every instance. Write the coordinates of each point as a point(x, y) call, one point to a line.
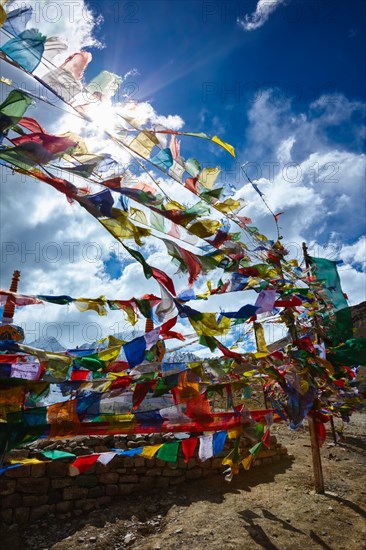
point(233, 433)
point(228, 205)
point(27, 461)
point(122, 228)
point(98, 305)
point(228, 461)
point(247, 462)
point(173, 205)
point(124, 421)
point(150, 450)
point(205, 295)
point(110, 354)
point(138, 216)
point(10, 401)
point(131, 315)
point(204, 228)
point(208, 177)
point(253, 281)
point(80, 148)
point(3, 14)
point(262, 350)
point(208, 325)
point(113, 341)
point(226, 146)
point(144, 143)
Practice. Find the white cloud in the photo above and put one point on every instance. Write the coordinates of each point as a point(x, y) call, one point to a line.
point(261, 14)
point(355, 253)
point(318, 182)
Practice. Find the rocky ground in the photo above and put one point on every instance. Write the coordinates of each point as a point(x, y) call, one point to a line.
point(271, 506)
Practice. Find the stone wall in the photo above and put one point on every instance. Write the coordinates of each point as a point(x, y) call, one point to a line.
point(31, 493)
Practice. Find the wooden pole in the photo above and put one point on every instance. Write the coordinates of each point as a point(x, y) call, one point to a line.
point(264, 395)
point(334, 435)
point(317, 462)
point(315, 451)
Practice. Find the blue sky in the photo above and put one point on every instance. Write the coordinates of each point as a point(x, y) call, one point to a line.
point(306, 49)
point(288, 94)
point(194, 59)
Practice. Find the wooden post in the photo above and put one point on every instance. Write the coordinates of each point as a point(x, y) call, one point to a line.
point(317, 462)
point(4, 453)
point(334, 435)
point(264, 395)
point(315, 451)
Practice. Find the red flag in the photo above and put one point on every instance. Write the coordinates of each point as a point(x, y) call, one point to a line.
point(85, 463)
point(164, 279)
point(291, 302)
point(189, 446)
point(140, 392)
point(266, 439)
point(191, 184)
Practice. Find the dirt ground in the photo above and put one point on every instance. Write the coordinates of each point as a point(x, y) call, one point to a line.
point(271, 506)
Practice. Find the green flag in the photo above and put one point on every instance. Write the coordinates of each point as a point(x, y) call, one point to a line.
point(13, 109)
point(169, 452)
point(55, 454)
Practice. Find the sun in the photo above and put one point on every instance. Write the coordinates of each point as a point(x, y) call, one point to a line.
point(104, 116)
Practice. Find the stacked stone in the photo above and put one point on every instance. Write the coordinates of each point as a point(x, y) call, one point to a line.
point(86, 445)
point(272, 455)
point(39, 491)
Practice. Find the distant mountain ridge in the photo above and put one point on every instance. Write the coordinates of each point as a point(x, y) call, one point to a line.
point(49, 343)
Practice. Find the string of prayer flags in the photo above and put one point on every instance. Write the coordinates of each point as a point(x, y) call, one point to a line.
point(105, 392)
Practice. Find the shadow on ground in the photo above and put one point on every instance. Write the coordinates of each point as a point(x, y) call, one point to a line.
point(158, 502)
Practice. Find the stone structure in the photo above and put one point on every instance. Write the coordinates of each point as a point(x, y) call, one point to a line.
point(31, 493)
